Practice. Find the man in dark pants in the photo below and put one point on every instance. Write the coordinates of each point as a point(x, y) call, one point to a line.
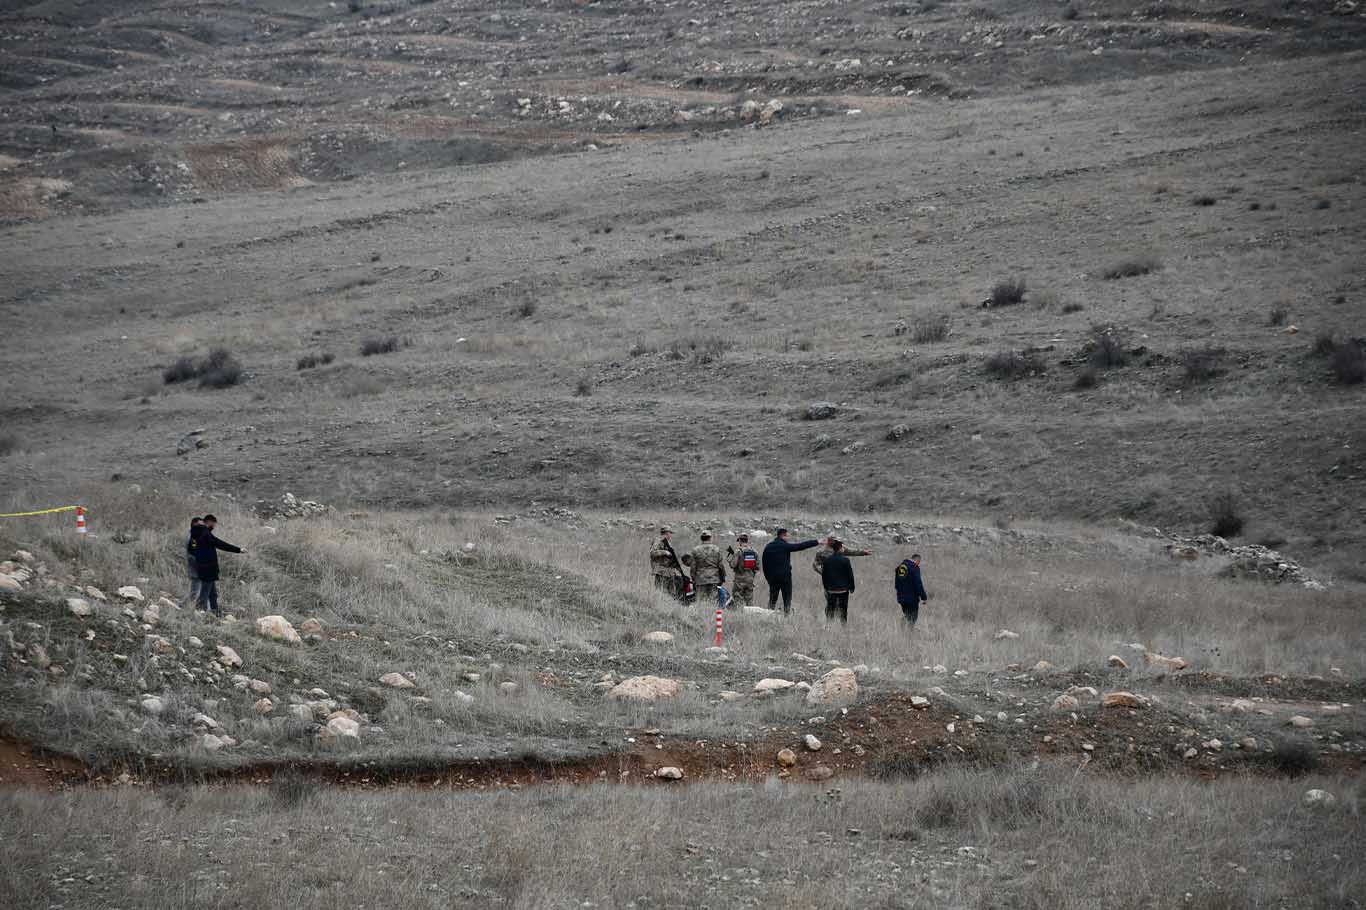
point(777, 563)
point(910, 590)
point(838, 578)
point(191, 565)
point(206, 559)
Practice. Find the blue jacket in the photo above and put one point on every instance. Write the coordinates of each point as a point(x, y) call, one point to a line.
point(777, 559)
point(206, 548)
point(909, 588)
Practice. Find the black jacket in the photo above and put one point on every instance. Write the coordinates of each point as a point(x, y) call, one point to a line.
point(206, 554)
point(838, 573)
point(909, 588)
point(777, 558)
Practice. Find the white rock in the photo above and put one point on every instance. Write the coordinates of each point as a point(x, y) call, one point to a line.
point(464, 698)
point(787, 758)
point(153, 704)
point(1005, 635)
point(195, 641)
point(95, 593)
point(658, 638)
point(259, 686)
point(773, 684)
point(78, 606)
point(470, 677)
point(151, 616)
point(1214, 745)
point(729, 695)
point(1299, 720)
point(838, 687)
point(396, 680)
point(1083, 692)
point(9, 583)
point(919, 701)
point(812, 743)
point(669, 773)
point(507, 688)
point(228, 657)
point(24, 556)
point(203, 720)
point(1119, 663)
point(343, 727)
point(645, 688)
point(1319, 799)
point(301, 712)
point(130, 592)
point(277, 628)
point(939, 668)
point(1065, 703)
point(212, 743)
point(1042, 666)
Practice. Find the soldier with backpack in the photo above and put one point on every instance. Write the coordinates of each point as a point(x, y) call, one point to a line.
point(666, 566)
point(744, 565)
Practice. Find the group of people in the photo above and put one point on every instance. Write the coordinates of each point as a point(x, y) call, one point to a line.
point(201, 563)
point(709, 567)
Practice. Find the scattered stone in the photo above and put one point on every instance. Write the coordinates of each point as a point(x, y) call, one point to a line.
point(263, 706)
point(396, 680)
point(1165, 664)
point(79, 606)
point(160, 645)
point(130, 592)
point(471, 677)
point(201, 719)
point(279, 629)
point(153, 704)
point(1083, 692)
point(1065, 703)
point(669, 773)
point(1240, 706)
point(1299, 720)
point(10, 583)
point(228, 657)
point(507, 688)
point(95, 593)
point(1005, 635)
point(311, 627)
point(819, 773)
point(658, 638)
point(1190, 753)
point(729, 695)
point(24, 556)
point(210, 742)
point(340, 727)
point(773, 684)
point(1214, 745)
point(919, 702)
point(1119, 663)
point(151, 615)
point(195, 641)
point(939, 668)
point(259, 686)
point(1042, 666)
point(937, 692)
point(1123, 700)
point(645, 688)
point(821, 410)
point(838, 687)
point(301, 712)
point(812, 743)
point(1248, 743)
point(787, 758)
point(464, 698)
point(1318, 799)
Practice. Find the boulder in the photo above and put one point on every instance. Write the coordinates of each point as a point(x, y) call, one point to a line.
point(130, 592)
point(1081, 692)
point(773, 684)
point(729, 695)
point(153, 704)
point(658, 638)
point(1042, 666)
point(9, 583)
point(301, 712)
point(210, 742)
point(1318, 799)
point(812, 743)
point(79, 606)
point(263, 706)
point(151, 615)
point(1123, 700)
point(1299, 720)
point(919, 702)
point(645, 688)
point(669, 773)
point(1066, 702)
point(819, 773)
point(821, 410)
point(1165, 664)
point(228, 657)
point(786, 758)
point(311, 626)
point(201, 719)
point(1119, 663)
point(277, 628)
point(1006, 635)
point(160, 645)
point(342, 727)
point(195, 641)
point(259, 686)
point(838, 687)
point(396, 680)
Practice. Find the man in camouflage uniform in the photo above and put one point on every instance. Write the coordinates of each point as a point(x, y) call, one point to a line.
point(708, 570)
point(664, 564)
point(828, 547)
point(743, 587)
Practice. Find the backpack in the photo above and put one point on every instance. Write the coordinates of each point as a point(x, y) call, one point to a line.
point(749, 560)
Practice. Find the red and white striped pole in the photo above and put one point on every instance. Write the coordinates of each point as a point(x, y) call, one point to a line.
point(80, 520)
point(718, 626)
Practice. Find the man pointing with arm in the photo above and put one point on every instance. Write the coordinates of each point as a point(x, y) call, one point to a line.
point(777, 563)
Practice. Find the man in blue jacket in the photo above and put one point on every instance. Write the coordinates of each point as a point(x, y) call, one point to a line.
point(206, 559)
point(910, 590)
point(777, 563)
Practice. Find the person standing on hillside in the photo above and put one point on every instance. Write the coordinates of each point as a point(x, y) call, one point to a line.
point(777, 565)
point(708, 569)
point(744, 565)
point(824, 552)
point(206, 560)
point(191, 566)
point(910, 589)
point(666, 566)
point(838, 579)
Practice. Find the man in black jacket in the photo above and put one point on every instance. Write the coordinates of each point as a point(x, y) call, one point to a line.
point(777, 563)
point(838, 578)
point(206, 559)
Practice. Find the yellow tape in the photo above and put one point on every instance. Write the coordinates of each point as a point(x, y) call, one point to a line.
point(39, 512)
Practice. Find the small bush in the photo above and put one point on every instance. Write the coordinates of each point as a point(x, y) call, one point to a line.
point(1130, 268)
point(1290, 757)
point(640, 349)
point(1277, 316)
point(1348, 362)
point(1203, 201)
point(1070, 12)
point(216, 371)
point(1324, 344)
point(1014, 364)
point(372, 346)
point(1072, 308)
point(1105, 348)
point(583, 388)
point(1086, 379)
point(1226, 520)
point(1202, 363)
point(291, 788)
point(527, 308)
point(931, 329)
point(1007, 293)
point(309, 361)
point(1323, 204)
point(702, 350)
point(9, 444)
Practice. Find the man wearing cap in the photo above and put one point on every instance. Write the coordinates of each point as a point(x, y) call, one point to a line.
point(708, 569)
point(744, 564)
point(665, 565)
point(777, 564)
point(818, 564)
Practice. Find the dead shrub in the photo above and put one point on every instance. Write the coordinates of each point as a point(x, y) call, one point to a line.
point(1130, 268)
point(1106, 347)
point(1226, 518)
point(219, 369)
point(9, 444)
point(1014, 364)
point(931, 329)
point(1348, 362)
point(1086, 379)
point(1277, 316)
point(700, 349)
point(1007, 293)
point(370, 347)
point(309, 361)
point(1202, 363)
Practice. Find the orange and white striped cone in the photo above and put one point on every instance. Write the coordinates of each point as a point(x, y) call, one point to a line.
point(718, 627)
point(80, 520)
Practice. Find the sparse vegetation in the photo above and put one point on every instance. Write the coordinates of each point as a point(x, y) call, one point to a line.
point(1015, 364)
point(1106, 347)
point(310, 361)
point(1087, 379)
point(9, 443)
point(1074, 307)
point(1007, 293)
point(700, 349)
point(1348, 362)
point(930, 329)
point(526, 308)
point(1203, 363)
point(584, 387)
point(371, 347)
point(1277, 316)
point(1130, 268)
point(1325, 343)
point(1226, 517)
point(1203, 201)
point(218, 370)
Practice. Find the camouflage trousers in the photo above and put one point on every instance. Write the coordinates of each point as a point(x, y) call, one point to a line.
point(670, 584)
point(744, 592)
point(707, 594)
